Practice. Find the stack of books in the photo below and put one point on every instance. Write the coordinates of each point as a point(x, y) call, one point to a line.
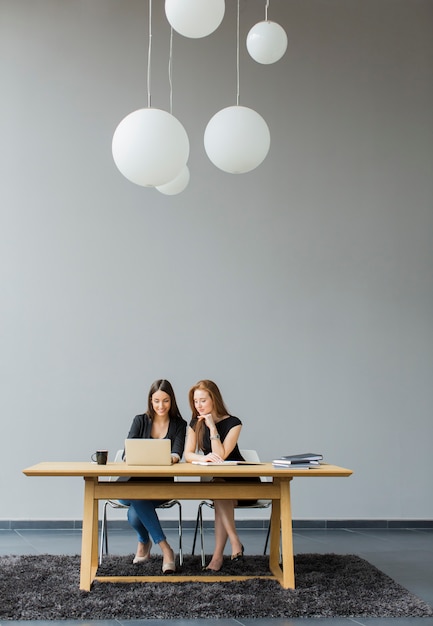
point(307, 460)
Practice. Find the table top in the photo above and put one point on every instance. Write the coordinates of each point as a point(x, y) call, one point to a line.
point(87, 469)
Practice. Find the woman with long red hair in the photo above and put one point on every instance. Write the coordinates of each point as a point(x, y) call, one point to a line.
point(213, 437)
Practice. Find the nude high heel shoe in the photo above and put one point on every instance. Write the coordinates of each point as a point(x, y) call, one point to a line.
point(141, 559)
point(169, 567)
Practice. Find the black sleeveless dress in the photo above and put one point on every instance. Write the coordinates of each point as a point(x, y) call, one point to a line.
point(223, 427)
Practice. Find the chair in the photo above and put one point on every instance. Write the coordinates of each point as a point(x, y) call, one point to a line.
point(252, 457)
point(115, 504)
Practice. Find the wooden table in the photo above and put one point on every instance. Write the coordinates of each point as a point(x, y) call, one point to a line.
point(97, 487)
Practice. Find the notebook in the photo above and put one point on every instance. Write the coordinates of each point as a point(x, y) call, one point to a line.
point(148, 451)
point(227, 463)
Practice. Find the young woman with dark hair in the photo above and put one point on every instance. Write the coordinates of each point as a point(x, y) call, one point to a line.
point(161, 421)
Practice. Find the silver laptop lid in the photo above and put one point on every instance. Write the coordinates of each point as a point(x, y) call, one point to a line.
point(148, 451)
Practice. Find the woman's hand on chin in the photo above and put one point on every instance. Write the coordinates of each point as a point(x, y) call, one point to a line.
point(208, 419)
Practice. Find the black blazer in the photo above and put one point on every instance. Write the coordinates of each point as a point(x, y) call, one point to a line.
point(142, 425)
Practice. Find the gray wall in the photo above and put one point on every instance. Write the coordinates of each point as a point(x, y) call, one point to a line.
point(303, 288)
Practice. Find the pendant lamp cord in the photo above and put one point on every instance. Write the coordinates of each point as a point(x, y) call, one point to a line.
point(266, 10)
point(170, 71)
point(170, 63)
point(237, 56)
point(149, 54)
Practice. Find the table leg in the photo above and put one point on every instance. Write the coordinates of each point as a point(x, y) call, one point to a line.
point(281, 531)
point(274, 538)
point(89, 540)
point(288, 564)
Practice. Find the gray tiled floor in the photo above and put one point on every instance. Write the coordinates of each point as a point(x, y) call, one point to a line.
point(405, 555)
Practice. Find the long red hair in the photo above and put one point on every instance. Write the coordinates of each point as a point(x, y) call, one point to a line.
point(218, 404)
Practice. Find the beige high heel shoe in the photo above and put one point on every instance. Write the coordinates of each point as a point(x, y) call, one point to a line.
point(169, 567)
point(141, 559)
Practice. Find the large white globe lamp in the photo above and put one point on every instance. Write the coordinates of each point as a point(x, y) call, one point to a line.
point(267, 42)
point(194, 18)
point(237, 139)
point(150, 147)
point(177, 185)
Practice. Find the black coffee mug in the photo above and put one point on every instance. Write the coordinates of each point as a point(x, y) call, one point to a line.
point(100, 457)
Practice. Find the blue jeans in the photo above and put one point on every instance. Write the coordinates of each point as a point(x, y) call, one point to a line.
point(144, 520)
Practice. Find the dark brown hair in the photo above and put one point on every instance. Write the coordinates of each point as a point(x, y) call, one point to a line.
point(163, 385)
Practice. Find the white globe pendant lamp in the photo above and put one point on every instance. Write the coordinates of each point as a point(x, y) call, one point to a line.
point(237, 139)
point(150, 147)
point(267, 42)
point(177, 185)
point(195, 18)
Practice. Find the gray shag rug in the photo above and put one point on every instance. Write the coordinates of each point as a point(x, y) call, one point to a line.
point(46, 587)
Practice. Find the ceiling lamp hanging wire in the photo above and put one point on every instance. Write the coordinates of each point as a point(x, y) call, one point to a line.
point(266, 10)
point(149, 57)
point(179, 182)
point(237, 55)
point(170, 70)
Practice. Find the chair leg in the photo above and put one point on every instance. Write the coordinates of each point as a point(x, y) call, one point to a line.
point(180, 534)
point(195, 534)
point(200, 517)
point(104, 534)
point(267, 539)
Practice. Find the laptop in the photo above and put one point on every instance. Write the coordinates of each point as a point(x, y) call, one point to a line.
point(148, 451)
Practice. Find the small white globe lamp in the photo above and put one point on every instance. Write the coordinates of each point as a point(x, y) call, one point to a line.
point(194, 18)
point(150, 147)
point(267, 42)
point(177, 185)
point(237, 139)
